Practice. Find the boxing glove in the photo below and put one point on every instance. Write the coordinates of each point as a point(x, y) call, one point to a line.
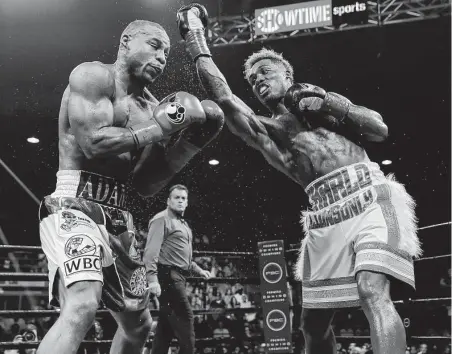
point(174, 113)
point(200, 135)
point(192, 22)
point(306, 97)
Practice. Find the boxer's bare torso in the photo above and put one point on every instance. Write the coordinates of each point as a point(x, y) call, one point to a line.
point(124, 110)
point(303, 148)
point(304, 152)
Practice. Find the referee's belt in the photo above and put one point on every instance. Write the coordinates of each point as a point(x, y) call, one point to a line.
point(166, 267)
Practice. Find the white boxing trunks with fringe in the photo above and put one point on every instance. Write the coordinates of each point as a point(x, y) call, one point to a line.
point(359, 220)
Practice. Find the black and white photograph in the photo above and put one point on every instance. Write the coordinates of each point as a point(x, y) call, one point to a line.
point(225, 177)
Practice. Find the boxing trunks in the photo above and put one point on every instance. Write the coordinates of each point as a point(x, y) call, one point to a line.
point(88, 235)
point(359, 220)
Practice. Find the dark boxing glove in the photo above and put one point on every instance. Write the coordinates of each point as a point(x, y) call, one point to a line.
point(174, 113)
point(299, 92)
point(202, 134)
point(192, 22)
point(306, 97)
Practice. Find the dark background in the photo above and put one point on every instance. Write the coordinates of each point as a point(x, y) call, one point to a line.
point(402, 71)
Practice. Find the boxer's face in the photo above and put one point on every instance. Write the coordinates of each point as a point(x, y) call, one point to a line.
point(178, 201)
point(269, 81)
point(146, 53)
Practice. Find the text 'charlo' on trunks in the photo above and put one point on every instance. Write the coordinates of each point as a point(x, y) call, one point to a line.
point(349, 185)
point(360, 220)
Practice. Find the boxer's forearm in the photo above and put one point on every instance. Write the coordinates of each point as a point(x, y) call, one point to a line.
point(108, 141)
point(213, 80)
point(364, 121)
point(238, 116)
point(157, 166)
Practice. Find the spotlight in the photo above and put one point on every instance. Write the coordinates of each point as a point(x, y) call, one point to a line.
point(33, 140)
point(214, 162)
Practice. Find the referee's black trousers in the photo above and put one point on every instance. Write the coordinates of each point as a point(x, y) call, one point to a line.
point(175, 315)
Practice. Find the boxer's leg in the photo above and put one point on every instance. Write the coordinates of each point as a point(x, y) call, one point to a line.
point(386, 327)
point(133, 330)
point(317, 331)
point(79, 303)
point(73, 249)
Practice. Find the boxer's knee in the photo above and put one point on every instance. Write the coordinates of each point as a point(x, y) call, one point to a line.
point(81, 304)
point(142, 330)
point(135, 326)
point(373, 290)
point(316, 323)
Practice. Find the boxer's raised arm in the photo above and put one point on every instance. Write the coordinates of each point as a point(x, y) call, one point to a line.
point(90, 112)
point(239, 118)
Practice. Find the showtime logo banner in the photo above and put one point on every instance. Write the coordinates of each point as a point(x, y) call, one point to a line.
point(311, 14)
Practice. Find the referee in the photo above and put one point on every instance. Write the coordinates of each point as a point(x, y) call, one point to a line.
point(168, 261)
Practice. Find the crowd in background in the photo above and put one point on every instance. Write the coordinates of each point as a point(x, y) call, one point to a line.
point(244, 327)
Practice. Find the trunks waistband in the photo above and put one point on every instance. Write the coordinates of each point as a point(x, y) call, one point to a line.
point(343, 183)
point(90, 186)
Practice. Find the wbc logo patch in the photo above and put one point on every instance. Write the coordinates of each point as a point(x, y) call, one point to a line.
point(175, 113)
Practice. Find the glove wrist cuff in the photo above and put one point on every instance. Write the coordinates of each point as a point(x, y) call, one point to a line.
point(197, 44)
point(336, 106)
point(146, 133)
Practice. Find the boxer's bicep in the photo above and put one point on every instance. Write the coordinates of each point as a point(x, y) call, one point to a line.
point(90, 108)
point(88, 117)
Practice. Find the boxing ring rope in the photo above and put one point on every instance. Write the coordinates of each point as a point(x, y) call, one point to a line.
point(200, 312)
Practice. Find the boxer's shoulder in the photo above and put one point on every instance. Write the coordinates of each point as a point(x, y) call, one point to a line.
point(93, 78)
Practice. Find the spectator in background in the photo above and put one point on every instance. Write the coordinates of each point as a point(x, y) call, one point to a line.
point(356, 350)
point(423, 348)
point(205, 242)
point(202, 329)
point(445, 282)
point(367, 348)
point(228, 298)
point(227, 270)
point(237, 299)
point(196, 302)
point(220, 331)
point(340, 349)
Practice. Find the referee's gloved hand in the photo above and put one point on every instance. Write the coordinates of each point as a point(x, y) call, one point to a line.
point(154, 288)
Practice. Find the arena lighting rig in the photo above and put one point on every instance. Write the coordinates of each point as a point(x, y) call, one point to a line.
point(241, 29)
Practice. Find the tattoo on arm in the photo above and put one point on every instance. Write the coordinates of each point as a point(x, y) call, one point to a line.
point(212, 79)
